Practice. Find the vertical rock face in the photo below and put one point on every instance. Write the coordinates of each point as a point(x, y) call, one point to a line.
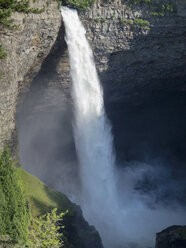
point(136, 64)
point(27, 47)
point(141, 66)
point(172, 237)
point(134, 59)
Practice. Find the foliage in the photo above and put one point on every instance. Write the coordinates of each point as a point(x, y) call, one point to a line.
point(108, 1)
point(142, 23)
point(7, 8)
point(42, 200)
point(14, 212)
point(126, 22)
point(59, 3)
point(134, 2)
point(161, 10)
point(5, 15)
point(98, 19)
point(44, 230)
point(79, 4)
point(3, 54)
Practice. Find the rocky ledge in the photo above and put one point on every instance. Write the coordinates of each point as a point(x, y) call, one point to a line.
point(172, 237)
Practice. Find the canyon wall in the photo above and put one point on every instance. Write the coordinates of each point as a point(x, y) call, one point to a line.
point(27, 46)
point(140, 53)
point(173, 236)
point(134, 60)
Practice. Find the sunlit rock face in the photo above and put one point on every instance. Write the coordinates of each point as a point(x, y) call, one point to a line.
point(134, 62)
point(27, 47)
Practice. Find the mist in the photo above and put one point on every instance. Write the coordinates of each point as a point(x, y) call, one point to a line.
point(149, 180)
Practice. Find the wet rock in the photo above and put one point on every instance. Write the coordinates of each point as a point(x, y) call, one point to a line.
point(172, 237)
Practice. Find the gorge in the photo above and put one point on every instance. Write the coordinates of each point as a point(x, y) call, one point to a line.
point(142, 72)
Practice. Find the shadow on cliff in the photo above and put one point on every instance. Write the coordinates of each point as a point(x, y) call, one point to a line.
point(46, 72)
point(44, 118)
point(145, 99)
point(145, 83)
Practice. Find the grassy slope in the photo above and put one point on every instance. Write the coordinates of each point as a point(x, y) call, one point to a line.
point(41, 198)
point(77, 232)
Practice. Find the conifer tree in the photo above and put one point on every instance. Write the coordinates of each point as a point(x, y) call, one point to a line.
point(14, 211)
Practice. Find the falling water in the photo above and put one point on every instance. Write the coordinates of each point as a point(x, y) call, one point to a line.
point(92, 130)
point(123, 221)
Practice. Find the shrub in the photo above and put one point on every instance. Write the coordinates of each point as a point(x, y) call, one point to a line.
point(44, 230)
point(138, 22)
point(135, 2)
point(161, 10)
point(98, 19)
point(126, 22)
point(14, 211)
point(79, 4)
point(3, 54)
point(7, 7)
point(142, 23)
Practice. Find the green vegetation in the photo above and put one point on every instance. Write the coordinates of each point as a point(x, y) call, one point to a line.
point(108, 1)
point(126, 22)
point(137, 2)
point(7, 8)
point(44, 230)
point(42, 199)
point(98, 19)
point(144, 24)
point(161, 10)
point(39, 214)
point(79, 4)
point(21, 192)
point(14, 211)
point(3, 54)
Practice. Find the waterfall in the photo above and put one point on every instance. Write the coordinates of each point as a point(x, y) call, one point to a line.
point(123, 216)
point(92, 131)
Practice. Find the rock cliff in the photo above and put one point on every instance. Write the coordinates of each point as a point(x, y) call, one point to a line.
point(27, 47)
point(174, 237)
point(140, 54)
point(133, 59)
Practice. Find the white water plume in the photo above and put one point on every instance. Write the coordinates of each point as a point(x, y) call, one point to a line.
point(119, 222)
point(92, 130)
